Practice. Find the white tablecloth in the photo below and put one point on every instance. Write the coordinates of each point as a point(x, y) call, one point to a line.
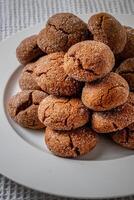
point(16, 15)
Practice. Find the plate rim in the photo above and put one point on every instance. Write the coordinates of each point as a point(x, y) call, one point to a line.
point(28, 150)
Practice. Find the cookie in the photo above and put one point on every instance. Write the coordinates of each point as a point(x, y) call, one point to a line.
point(105, 94)
point(115, 119)
point(88, 61)
point(125, 138)
point(23, 108)
point(128, 51)
point(126, 70)
point(61, 32)
point(27, 80)
point(28, 50)
point(105, 28)
point(51, 77)
point(63, 113)
point(70, 144)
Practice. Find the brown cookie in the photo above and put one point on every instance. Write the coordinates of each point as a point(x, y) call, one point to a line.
point(116, 119)
point(128, 51)
point(23, 108)
point(62, 113)
point(28, 50)
point(126, 70)
point(105, 94)
point(124, 137)
point(51, 77)
point(105, 28)
point(88, 61)
point(70, 143)
point(61, 32)
point(27, 80)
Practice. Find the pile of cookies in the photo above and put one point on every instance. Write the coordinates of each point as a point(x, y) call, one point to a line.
point(77, 82)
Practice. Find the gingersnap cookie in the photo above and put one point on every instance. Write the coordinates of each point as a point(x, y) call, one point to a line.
point(128, 51)
point(28, 50)
point(125, 137)
point(70, 143)
point(126, 70)
point(61, 32)
point(115, 119)
point(27, 80)
point(62, 113)
point(105, 94)
point(105, 28)
point(51, 77)
point(88, 61)
point(23, 108)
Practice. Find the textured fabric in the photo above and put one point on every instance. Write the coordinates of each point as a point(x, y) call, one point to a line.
point(18, 14)
point(15, 15)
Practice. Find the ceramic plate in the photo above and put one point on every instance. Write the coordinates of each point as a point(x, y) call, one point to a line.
point(108, 171)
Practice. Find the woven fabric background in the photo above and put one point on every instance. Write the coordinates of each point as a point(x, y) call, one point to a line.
point(16, 15)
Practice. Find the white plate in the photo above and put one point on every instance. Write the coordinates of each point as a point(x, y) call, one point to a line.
point(106, 172)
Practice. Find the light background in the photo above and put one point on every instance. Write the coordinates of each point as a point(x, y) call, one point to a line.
point(16, 15)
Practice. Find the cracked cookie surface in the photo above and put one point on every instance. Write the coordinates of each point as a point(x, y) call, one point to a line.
point(126, 70)
point(125, 137)
point(105, 28)
point(27, 80)
point(28, 50)
point(88, 61)
point(62, 31)
point(23, 108)
point(70, 143)
point(63, 113)
point(115, 119)
point(51, 77)
point(105, 94)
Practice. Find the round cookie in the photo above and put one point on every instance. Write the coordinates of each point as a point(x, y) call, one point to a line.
point(23, 108)
point(61, 32)
point(128, 51)
point(116, 119)
point(105, 28)
point(28, 51)
point(105, 94)
point(88, 61)
point(126, 70)
point(27, 80)
point(62, 113)
point(51, 77)
point(70, 143)
point(125, 137)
